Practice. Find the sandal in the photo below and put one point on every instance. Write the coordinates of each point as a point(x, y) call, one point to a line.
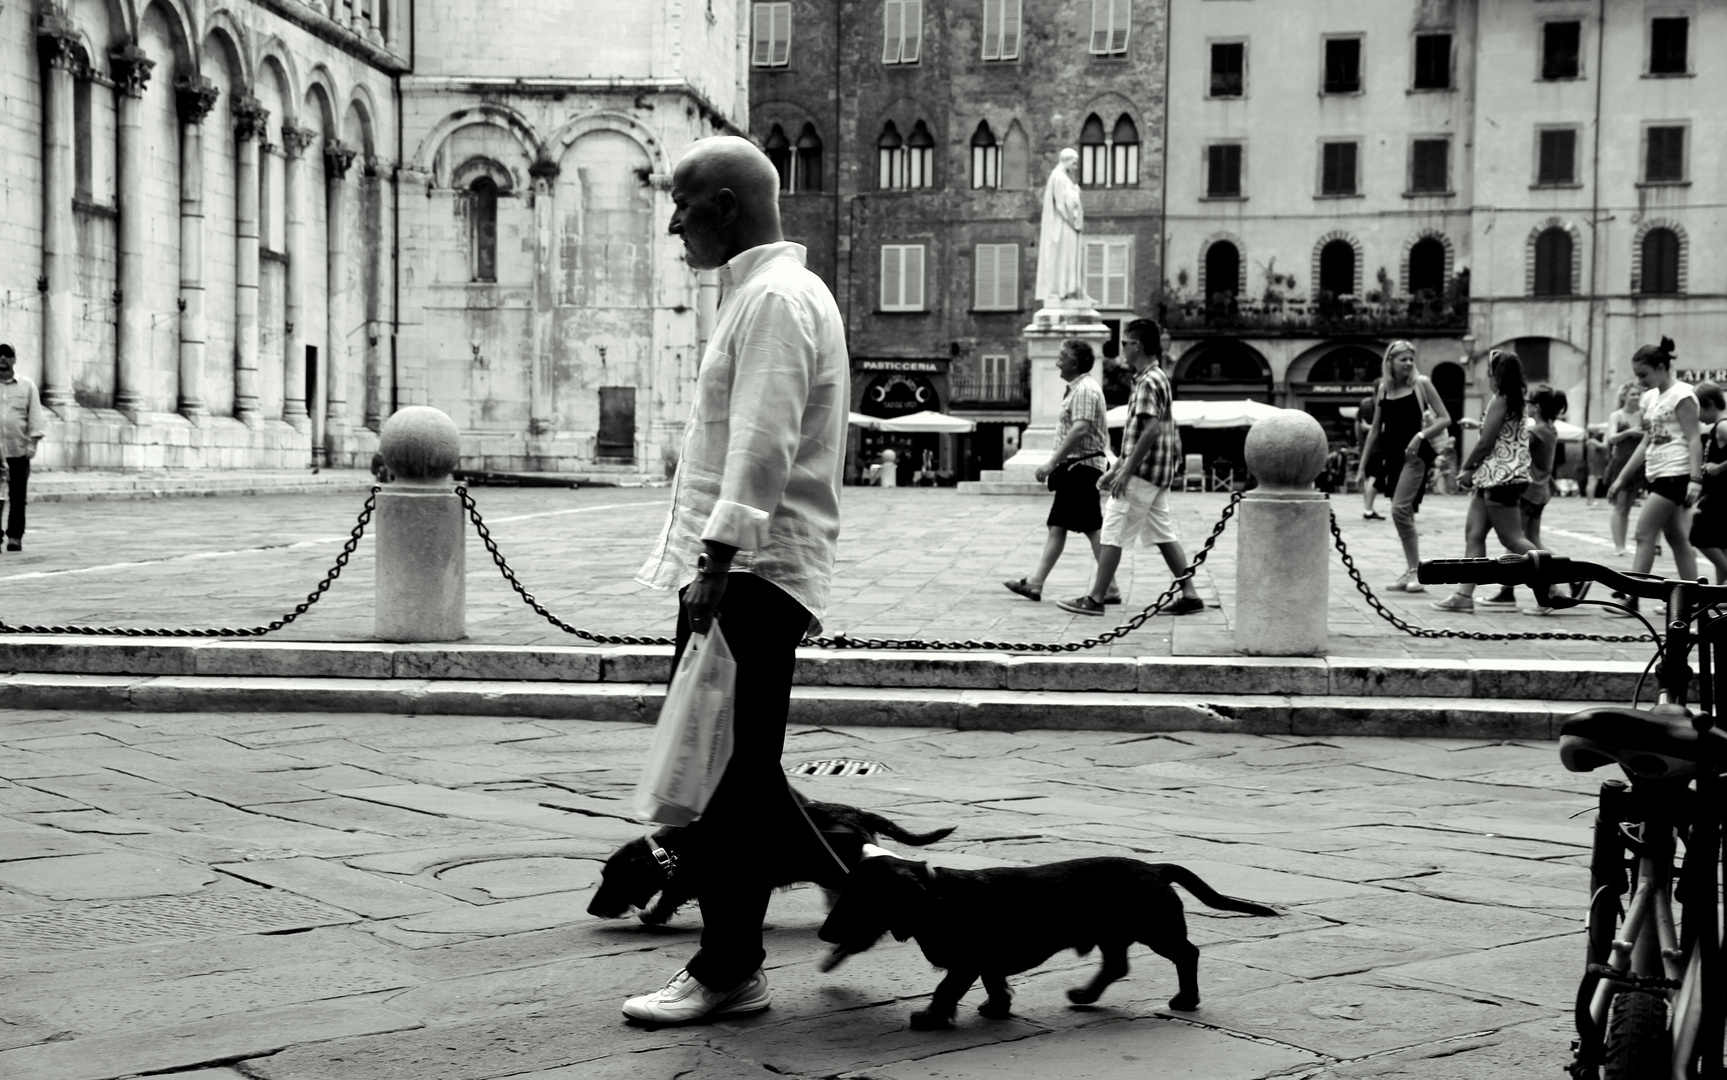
point(1023, 589)
point(1372, 515)
point(1455, 602)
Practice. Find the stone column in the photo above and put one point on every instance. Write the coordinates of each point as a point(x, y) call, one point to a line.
point(1283, 550)
point(249, 126)
point(131, 71)
point(194, 97)
point(1043, 338)
point(295, 140)
point(338, 158)
point(392, 26)
point(540, 418)
point(377, 404)
point(57, 41)
point(421, 531)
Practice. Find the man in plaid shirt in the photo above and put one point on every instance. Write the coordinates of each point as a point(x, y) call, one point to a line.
point(1139, 483)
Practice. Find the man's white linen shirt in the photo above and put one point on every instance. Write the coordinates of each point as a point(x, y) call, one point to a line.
point(764, 448)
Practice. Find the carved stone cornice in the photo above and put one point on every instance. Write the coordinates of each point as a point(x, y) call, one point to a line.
point(194, 97)
point(296, 139)
point(250, 117)
point(130, 68)
point(338, 158)
point(57, 40)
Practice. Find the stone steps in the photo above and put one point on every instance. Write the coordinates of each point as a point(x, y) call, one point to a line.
point(82, 486)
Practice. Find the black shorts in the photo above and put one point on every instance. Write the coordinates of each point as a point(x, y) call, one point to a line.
point(1503, 494)
point(1709, 523)
point(1671, 488)
point(1078, 505)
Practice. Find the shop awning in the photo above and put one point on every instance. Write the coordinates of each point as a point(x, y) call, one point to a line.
point(1207, 414)
point(868, 423)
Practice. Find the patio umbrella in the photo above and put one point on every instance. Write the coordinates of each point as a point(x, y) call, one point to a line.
point(868, 423)
point(1207, 414)
point(1568, 432)
point(927, 421)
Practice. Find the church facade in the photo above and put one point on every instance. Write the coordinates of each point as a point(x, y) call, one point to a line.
point(240, 235)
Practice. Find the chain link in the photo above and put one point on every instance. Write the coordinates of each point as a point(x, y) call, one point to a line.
point(300, 609)
point(842, 641)
point(1412, 630)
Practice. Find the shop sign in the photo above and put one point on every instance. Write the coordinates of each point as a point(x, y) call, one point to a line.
point(1322, 389)
point(928, 367)
point(1697, 375)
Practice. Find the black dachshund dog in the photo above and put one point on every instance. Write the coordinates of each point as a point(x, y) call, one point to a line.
point(663, 862)
point(998, 922)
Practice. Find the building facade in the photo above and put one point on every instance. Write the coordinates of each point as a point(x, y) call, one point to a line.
point(240, 236)
point(914, 142)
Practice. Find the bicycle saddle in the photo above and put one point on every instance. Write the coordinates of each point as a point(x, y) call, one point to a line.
point(1656, 744)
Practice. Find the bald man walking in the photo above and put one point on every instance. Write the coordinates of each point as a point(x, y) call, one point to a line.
point(750, 543)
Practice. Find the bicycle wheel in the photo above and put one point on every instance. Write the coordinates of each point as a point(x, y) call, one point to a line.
point(1638, 1045)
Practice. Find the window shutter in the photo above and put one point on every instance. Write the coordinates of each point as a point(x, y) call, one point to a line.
point(1095, 258)
point(914, 277)
point(1116, 292)
point(1100, 25)
point(893, 19)
point(912, 31)
point(1010, 29)
point(992, 29)
point(782, 40)
point(1007, 276)
point(986, 276)
point(763, 37)
point(1122, 17)
point(890, 276)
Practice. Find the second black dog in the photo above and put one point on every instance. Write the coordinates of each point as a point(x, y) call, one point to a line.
point(998, 922)
point(660, 863)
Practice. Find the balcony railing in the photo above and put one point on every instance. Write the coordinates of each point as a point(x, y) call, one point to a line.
point(1305, 318)
point(1000, 389)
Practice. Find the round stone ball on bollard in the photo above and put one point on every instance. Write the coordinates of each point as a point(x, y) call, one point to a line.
point(422, 531)
point(1283, 555)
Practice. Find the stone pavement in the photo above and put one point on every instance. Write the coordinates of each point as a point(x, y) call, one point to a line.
point(924, 563)
point(306, 897)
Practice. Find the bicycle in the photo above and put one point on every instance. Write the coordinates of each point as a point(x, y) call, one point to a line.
point(1652, 1001)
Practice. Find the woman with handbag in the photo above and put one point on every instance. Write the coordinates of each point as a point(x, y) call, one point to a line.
point(1624, 433)
point(1407, 416)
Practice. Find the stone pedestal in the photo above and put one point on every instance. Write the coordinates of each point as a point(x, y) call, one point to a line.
point(1283, 554)
point(1043, 339)
point(421, 531)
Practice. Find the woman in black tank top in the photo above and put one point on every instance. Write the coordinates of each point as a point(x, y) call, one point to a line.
point(1407, 412)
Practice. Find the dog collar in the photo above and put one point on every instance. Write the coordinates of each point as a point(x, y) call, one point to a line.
point(668, 861)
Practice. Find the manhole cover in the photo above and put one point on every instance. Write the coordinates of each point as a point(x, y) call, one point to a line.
point(836, 767)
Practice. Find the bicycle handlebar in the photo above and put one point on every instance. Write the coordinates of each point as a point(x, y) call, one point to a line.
point(1542, 569)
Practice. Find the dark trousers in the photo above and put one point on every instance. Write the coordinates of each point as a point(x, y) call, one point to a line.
point(19, 468)
point(754, 820)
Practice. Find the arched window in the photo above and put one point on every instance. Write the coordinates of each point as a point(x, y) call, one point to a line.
point(1660, 263)
point(779, 151)
point(807, 168)
point(920, 157)
point(1124, 154)
point(1553, 262)
point(1015, 158)
point(1093, 154)
point(1427, 269)
point(483, 229)
point(985, 158)
point(1222, 271)
point(1337, 268)
point(890, 154)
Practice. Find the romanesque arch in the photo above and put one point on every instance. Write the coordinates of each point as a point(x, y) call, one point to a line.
point(1206, 285)
point(1314, 275)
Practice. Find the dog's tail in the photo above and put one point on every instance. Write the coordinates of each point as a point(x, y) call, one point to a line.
point(1210, 897)
point(883, 827)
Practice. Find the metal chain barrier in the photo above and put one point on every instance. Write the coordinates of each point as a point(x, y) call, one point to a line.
point(300, 609)
point(843, 641)
point(1411, 629)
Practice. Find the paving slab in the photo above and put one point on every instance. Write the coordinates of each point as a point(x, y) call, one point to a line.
point(371, 895)
point(109, 875)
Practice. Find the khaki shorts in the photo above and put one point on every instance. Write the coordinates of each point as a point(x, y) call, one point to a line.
point(1141, 513)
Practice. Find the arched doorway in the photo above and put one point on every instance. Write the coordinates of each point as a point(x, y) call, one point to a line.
point(1448, 380)
point(1330, 379)
point(893, 394)
point(1222, 272)
point(1336, 270)
point(1222, 370)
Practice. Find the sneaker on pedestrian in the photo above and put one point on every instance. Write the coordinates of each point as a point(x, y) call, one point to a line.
point(1407, 583)
point(1455, 602)
point(1372, 515)
point(1537, 610)
point(1083, 605)
point(684, 999)
point(1184, 605)
point(14, 545)
point(1023, 589)
point(1504, 598)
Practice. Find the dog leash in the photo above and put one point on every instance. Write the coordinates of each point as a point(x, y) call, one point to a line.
point(667, 860)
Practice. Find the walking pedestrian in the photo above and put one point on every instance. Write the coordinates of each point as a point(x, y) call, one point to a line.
point(1368, 470)
point(1709, 516)
point(22, 425)
point(1138, 483)
point(1407, 413)
point(1624, 433)
point(1497, 468)
point(750, 545)
point(1073, 468)
point(1543, 408)
point(1670, 459)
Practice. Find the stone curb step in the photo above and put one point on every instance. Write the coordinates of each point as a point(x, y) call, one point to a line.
point(1547, 680)
point(638, 702)
point(50, 487)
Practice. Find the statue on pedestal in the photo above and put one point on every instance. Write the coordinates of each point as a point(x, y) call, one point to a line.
point(1060, 252)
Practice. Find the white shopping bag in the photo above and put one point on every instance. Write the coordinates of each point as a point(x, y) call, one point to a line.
point(693, 739)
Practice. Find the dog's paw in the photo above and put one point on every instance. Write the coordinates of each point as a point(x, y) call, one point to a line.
point(1184, 1002)
point(926, 1020)
point(1083, 995)
point(996, 1009)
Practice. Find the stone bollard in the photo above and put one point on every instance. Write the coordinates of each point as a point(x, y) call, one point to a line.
point(422, 567)
point(1283, 556)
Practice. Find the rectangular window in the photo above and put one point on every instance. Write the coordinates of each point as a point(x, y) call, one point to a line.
point(1001, 23)
point(997, 277)
point(1110, 20)
point(1430, 166)
point(1669, 46)
point(985, 167)
point(1343, 65)
point(1228, 69)
point(902, 277)
point(1337, 169)
point(1107, 265)
point(83, 143)
point(902, 31)
point(617, 435)
point(1556, 156)
point(772, 40)
point(1664, 155)
point(1561, 50)
point(1432, 62)
point(1223, 171)
point(997, 385)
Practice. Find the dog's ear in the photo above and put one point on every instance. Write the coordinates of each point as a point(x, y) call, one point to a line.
point(907, 898)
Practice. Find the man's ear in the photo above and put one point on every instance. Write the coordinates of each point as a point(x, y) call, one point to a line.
point(726, 205)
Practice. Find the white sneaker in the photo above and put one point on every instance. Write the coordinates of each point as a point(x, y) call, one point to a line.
point(1537, 610)
point(684, 1000)
point(1496, 601)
